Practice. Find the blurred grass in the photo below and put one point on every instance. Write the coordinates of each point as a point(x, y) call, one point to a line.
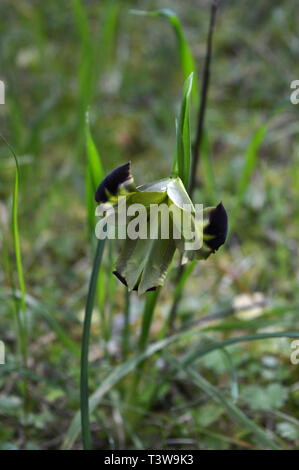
point(57, 61)
point(21, 310)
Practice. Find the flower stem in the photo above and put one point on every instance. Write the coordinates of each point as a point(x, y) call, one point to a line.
point(147, 318)
point(203, 97)
point(84, 405)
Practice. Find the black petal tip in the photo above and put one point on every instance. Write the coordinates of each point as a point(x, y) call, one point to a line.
point(217, 227)
point(124, 282)
point(152, 289)
point(119, 276)
point(112, 182)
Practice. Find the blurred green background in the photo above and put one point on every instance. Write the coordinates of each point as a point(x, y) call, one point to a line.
point(56, 58)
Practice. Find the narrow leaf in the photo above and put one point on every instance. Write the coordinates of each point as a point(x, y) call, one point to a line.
point(185, 54)
point(182, 156)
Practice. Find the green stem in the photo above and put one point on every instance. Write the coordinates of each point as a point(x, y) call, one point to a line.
point(150, 304)
point(149, 308)
point(199, 131)
point(126, 330)
point(86, 436)
point(183, 275)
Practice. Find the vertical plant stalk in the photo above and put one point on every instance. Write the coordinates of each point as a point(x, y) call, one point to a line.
point(126, 329)
point(111, 289)
point(147, 318)
point(203, 97)
point(198, 138)
point(183, 275)
point(84, 405)
point(23, 319)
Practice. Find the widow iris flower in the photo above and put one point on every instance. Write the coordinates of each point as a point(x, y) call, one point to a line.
point(143, 262)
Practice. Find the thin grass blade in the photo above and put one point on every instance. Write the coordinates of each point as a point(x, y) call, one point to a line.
point(193, 356)
point(112, 379)
point(251, 159)
point(86, 436)
point(182, 156)
point(185, 54)
point(94, 175)
point(233, 410)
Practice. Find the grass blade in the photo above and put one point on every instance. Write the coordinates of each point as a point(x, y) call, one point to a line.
point(250, 163)
point(126, 328)
point(21, 319)
point(112, 379)
point(184, 276)
point(208, 173)
point(93, 158)
point(147, 318)
point(231, 368)
point(182, 158)
point(191, 357)
point(150, 304)
point(44, 313)
point(85, 346)
point(94, 175)
point(185, 54)
point(234, 411)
